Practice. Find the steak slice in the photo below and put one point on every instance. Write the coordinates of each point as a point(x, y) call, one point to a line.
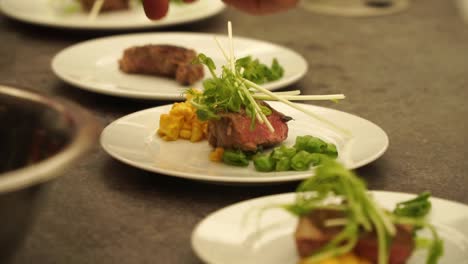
point(311, 235)
point(108, 5)
point(233, 131)
point(162, 60)
point(401, 248)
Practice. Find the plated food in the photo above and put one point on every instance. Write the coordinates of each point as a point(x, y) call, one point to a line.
point(132, 140)
point(240, 121)
point(93, 65)
point(337, 216)
point(59, 13)
point(332, 226)
point(162, 60)
point(105, 5)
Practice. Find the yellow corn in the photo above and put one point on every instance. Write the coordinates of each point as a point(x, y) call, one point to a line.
point(217, 155)
point(169, 126)
point(182, 122)
point(185, 134)
point(348, 258)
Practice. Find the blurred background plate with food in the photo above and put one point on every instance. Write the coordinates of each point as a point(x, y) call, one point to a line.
point(159, 65)
point(109, 15)
point(243, 233)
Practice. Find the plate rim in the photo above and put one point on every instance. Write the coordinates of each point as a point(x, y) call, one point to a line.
point(217, 9)
point(237, 179)
point(158, 96)
point(290, 195)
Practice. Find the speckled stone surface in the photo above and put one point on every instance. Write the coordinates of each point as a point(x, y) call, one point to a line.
point(408, 73)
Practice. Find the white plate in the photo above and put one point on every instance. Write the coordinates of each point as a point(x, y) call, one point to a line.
point(132, 140)
point(93, 65)
point(233, 235)
point(42, 12)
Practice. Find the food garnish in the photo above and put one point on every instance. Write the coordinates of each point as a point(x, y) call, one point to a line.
point(257, 72)
point(338, 215)
point(232, 92)
point(240, 123)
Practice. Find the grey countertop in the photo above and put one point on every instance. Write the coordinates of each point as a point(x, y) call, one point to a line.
point(407, 72)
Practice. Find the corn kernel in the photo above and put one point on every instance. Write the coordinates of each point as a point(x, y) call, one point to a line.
point(182, 121)
point(217, 155)
point(349, 259)
point(185, 134)
point(187, 125)
point(169, 126)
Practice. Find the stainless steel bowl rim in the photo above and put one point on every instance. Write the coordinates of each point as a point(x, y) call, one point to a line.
point(51, 167)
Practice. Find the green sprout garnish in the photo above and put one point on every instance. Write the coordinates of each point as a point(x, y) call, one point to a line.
point(361, 211)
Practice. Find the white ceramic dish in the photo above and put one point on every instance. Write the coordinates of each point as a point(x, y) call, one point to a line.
point(42, 12)
point(233, 235)
point(93, 65)
point(132, 140)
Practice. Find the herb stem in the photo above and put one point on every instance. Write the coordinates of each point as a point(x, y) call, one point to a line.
point(231, 48)
point(95, 9)
point(300, 97)
point(293, 92)
point(221, 49)
point(298, 107)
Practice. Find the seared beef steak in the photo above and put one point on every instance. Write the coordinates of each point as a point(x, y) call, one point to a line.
point(162, 60)
point(108, 5)
point(400, 250)
point(311, 235)
point(233, 131)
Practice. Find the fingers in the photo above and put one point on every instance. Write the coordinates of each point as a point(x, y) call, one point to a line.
point(156, 9)
point(260, 7)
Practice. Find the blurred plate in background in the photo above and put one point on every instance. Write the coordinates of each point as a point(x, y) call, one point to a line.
point(93, 65)
point(233, 235)
point(46, 13)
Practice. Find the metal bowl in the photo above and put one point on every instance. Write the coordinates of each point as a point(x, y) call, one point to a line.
point(40, 138)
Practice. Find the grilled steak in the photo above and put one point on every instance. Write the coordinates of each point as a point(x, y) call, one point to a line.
point(162, 60)
point(311, 235)
point(233, 131)
point(108, 5)
point(400, 250)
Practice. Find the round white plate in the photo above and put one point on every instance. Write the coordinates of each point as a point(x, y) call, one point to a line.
point(132, 139)
point(233, 235)
point(42, 12)
point(93, 65)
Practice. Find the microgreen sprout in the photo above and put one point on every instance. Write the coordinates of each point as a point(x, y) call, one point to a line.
point(361, 212)
point(239, 87)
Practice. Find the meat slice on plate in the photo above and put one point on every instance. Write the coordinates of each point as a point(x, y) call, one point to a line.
point(108, 5)
point(311, 235)
point(233, 131)
point(162, 60)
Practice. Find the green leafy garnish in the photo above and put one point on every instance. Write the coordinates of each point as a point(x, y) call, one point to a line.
point(361, 211)
point(257, 72)
point(228, 93)
point(417, 207)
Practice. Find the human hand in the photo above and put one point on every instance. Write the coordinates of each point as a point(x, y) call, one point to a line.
point(157, 9)
point(261, 7)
